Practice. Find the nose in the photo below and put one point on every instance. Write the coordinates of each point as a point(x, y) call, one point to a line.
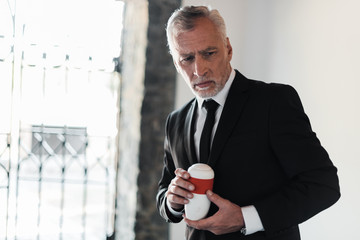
point(200, 68)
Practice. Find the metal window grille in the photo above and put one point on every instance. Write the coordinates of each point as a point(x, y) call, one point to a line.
point(57, 177)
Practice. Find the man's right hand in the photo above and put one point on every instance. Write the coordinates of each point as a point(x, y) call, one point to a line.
point(179, 189)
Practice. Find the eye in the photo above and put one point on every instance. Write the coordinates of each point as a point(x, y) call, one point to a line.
point(209, 53)
point(187, 59)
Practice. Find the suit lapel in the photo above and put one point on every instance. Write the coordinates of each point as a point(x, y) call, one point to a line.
point(189, 133)
point(234, 104)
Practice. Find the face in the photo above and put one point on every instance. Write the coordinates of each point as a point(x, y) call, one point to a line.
point(203, 58)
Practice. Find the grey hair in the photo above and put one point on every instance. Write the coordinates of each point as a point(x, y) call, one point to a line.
point(183, 20)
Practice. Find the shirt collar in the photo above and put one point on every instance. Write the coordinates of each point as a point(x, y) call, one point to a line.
point(220, 97)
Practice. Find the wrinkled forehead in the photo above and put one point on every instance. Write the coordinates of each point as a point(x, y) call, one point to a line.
point(203, 31)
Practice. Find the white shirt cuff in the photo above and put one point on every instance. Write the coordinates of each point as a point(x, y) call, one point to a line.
point(252, 220)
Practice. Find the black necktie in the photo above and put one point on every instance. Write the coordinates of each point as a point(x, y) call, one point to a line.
point(205, 139)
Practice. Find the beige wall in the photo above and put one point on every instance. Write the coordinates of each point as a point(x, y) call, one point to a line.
point(314, 45)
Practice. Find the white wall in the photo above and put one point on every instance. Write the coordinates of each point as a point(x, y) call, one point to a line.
point(314, 45)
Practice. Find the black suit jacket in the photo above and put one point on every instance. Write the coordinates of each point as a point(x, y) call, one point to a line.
point(264, 153)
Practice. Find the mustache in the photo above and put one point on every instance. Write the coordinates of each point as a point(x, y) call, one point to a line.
point(201, 80)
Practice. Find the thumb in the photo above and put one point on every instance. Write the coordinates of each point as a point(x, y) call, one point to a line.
point(213, 197)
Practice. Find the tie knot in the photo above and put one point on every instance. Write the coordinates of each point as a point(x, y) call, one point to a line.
point(210, 105)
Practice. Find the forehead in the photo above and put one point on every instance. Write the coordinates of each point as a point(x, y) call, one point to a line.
point(203, 36)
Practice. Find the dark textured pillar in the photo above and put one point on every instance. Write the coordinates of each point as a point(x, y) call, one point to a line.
point(148, 80)
point(159, 98)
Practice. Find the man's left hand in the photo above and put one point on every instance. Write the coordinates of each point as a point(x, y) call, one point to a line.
point(227, 219)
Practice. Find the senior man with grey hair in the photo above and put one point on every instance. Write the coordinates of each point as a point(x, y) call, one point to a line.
point(271, 172)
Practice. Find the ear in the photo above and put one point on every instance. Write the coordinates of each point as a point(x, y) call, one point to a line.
point(229, 48)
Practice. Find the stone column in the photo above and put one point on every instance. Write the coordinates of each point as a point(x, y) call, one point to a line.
point(159, 99)
point(147, 96)
point(132, 62)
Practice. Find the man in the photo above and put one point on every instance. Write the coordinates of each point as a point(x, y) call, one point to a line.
point(271, 172)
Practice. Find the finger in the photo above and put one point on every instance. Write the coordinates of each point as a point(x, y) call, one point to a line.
point(179, 191)
point(203, 224)
point(176, 199)
point(182, 183)
point(182, 173)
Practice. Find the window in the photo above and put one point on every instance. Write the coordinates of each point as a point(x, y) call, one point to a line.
point(59, 95)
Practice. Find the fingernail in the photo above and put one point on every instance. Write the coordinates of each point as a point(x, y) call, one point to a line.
point(191, 188)
point(189, 195)
point(209, 192)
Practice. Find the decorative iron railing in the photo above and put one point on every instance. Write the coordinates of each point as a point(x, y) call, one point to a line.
point(58, 181)
point(63, 186)
point(4, 182)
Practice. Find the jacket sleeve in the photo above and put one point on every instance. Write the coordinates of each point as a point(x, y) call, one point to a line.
point(166, 177)
point(313, 182)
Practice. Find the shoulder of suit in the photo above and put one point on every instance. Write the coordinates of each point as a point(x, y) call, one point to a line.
point(184, 109)
point(271, 87)
point(264, 90)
